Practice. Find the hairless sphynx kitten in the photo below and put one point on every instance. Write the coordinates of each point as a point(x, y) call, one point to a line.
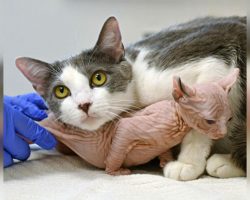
point(152, 131)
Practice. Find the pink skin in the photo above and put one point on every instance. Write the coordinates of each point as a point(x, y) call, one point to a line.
point(152, 131)
point(130, 141)
point(207, 104)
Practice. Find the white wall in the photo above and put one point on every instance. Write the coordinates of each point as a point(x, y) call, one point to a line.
point(55, 29)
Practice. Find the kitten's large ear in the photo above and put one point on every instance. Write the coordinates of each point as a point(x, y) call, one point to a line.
point(227, 82)
point(35, 71)
point(110, 40)
point(180, 89)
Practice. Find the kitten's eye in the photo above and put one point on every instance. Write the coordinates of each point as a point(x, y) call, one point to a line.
point(210, 121)
point(98, 78)
point(230, 119)
point(61, 91)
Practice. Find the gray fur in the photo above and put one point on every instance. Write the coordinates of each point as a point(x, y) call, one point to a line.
point(195, 40)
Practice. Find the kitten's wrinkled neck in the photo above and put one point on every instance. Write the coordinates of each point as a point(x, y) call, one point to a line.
point(183, 125)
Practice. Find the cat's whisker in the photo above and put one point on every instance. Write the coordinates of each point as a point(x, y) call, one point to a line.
point(113, 115)
point(109, 106)
point(121, 106)
point(104, 108)
point(127, 106)
point(121, 100)
point(119, 109)
point(59, 118)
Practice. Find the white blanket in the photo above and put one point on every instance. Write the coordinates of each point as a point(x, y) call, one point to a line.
point(51, 176)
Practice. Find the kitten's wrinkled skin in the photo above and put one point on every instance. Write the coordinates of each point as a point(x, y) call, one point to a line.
point(152, 131)
point(199, 51)
point(94, 147)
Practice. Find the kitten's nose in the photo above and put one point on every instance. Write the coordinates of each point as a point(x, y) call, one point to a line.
point(84, 107)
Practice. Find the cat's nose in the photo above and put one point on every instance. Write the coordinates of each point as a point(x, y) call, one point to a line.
point(85, 107)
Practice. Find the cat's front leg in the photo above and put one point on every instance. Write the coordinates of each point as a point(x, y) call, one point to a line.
point(222, 166)
point(191, 161)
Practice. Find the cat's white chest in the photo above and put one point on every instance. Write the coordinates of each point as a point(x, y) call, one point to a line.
point(153, 84)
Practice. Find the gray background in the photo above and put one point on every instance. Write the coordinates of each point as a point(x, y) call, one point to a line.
point(55, 29)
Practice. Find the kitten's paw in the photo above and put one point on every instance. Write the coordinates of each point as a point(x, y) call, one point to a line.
point(221, 166)
point(182, 171)
point(164, 159)
point(121, 171)
point(163, 163)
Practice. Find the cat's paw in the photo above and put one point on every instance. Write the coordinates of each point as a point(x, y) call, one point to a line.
point(221, 166)
point(182, 171)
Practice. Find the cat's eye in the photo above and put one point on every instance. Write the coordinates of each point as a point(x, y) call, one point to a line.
point(98, 79)
point(210, 121)
point(230, 119)
point(61, 91)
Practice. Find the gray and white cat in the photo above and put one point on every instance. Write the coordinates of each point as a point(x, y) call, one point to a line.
point(95, 86)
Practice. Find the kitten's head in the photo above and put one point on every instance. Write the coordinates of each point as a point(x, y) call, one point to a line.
point(205, 107)
point(89, 89)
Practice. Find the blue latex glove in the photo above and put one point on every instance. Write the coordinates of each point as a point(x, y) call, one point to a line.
point(19, 113)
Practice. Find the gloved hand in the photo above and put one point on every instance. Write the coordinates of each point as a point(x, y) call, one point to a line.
point(19, 127)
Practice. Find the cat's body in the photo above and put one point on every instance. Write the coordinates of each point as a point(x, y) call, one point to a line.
point(195, 47)
point(199, 51)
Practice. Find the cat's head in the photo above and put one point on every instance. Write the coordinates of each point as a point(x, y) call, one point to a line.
point(205, 107)
point(89, 89)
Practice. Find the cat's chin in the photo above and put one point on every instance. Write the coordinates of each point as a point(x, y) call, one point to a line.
point(91, 123)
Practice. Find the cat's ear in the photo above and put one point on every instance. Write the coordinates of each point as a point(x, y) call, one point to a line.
point(36, 71)
point(180, 89)
point(110, 40)
point(227, 82)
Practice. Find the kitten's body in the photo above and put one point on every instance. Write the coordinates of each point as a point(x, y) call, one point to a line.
point(199, 51)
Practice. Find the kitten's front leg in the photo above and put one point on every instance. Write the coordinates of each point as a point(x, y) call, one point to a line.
point(116, 158)
point(165, 158)
point(122, 143)
point(191, 161)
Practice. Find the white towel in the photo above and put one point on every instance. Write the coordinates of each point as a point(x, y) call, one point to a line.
point(52, 176)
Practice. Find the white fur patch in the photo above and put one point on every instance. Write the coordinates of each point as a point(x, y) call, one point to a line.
point(153, 85)
point(105, 105)
point(77, 83)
